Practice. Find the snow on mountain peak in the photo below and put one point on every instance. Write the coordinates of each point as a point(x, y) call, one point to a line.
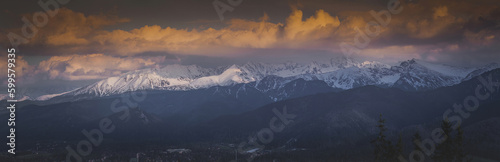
point(232, 75)
point(341, 72)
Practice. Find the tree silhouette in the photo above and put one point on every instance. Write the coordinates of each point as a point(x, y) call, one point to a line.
point(416, 139)
point(445, 149)
point(399, 147)
point(451, 149)
point(384, 150)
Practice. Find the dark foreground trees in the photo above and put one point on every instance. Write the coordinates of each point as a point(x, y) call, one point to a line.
point(451, 148)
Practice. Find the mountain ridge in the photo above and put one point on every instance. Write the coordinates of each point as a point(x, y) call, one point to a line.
point(341, 73)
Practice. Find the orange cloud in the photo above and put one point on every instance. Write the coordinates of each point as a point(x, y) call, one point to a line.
point(321, 25)
point(238, 34)
point(435, 22)
point(75, 31)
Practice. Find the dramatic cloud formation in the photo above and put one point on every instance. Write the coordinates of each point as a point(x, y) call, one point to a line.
point(239, 34)
point(442, 31)
point(74, 32)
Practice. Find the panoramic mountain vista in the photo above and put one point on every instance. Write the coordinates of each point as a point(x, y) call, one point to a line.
point(254, 81)
point(339, 74)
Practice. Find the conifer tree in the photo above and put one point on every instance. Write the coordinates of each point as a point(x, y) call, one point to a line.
point(380, 141)
point(384, 150)
point(416, 139)
point(445, 151)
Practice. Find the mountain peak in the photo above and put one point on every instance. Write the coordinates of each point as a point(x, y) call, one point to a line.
point(233, 67)
point(408, 62)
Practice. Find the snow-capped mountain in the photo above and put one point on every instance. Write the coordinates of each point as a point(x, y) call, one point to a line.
point(341, 73)
point(171, 77)
point(181, 78)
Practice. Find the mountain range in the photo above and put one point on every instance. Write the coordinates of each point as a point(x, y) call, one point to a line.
point(338, 74)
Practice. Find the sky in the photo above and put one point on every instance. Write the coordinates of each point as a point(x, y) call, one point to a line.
point(91, 40)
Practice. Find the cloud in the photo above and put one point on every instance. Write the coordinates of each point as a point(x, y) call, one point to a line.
point(93, 66)
point(481, 38)
point(239, 34)
point(66, 29)
point(73, 28)
point(437, 27)
point(321, 25)
point(22, 68)
point(74, 32)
